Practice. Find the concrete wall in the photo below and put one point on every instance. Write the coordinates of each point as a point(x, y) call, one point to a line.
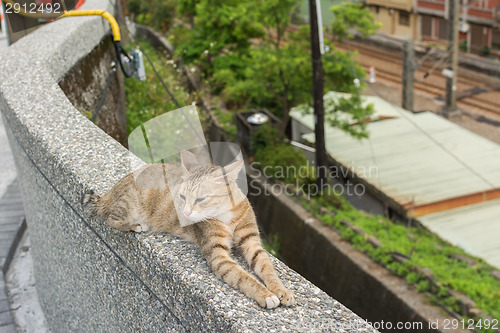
point(84, 86)
point(89, 276)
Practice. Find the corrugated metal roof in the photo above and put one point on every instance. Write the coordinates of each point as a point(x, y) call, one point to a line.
point(412, 167)
point(424, 159)
point(475, 228)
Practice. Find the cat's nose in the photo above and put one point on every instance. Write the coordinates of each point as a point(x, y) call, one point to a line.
point(187, 212)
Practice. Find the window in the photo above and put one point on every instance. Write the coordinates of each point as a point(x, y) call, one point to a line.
point(442, 29)
point(404, 18)
point(495, 40)
point(426, 25)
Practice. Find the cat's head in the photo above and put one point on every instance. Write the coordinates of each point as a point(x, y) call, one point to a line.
point(206, 192)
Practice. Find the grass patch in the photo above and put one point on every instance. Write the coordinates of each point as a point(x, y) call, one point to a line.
point(423, 249)
point(226, 120)
point(148, 99)
point(272, 244)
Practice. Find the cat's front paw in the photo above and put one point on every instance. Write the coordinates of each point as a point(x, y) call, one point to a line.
point(139, 228)
point(272, 302)
point(268, 300)
point(285, 296)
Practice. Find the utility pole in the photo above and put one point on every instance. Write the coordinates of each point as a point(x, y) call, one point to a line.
point(452, 73)
point(408, 73)
point(319, 110)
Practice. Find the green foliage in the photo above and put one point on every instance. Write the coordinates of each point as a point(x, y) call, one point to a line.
point(485, 51)
point(424, 249)
point(349, 16)
point(331, 201)
point(423, 285)
point(220, 27)
point(355, 126)
point(275, 15)
point(265, 136)
point(156, 13)
point(274, 78)
point(463, 46)
point(226, 120)
point(148, 99)
point(187, 7)
point(283, 162)
point(275, 71)
point(412, 278)
point(179, 34)
point(272, 244)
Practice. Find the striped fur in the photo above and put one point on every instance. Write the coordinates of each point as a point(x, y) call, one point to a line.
point(141, 202)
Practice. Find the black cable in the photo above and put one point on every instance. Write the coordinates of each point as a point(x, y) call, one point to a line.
point(172, 97)
point(104, 93)
point(119, 51)
point(202, 140)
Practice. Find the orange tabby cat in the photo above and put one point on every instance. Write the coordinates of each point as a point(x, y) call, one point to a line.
point(215, 215)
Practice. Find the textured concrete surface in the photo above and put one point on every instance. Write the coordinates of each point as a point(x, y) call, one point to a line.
point(90, 277)
point(20, 281)
point(7, 167)
point(3, 41)
point(11, 217)
point(84, 86)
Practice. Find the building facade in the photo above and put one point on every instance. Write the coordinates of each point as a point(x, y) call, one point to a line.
point(398, 17)
point(479, 23)
point(426, 20)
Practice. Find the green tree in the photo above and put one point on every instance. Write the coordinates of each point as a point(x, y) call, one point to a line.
point(277, 73)
point(188, 9)
point(351, 16)
point(221, 27)
point(273, 71)
point(156, 13)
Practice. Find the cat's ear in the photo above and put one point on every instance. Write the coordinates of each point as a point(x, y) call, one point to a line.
point(189, 161)
point(231, 171)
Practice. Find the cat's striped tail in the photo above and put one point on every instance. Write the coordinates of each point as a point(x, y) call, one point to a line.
point(90, 203)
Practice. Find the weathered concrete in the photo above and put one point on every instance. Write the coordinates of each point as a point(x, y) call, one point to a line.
point(89, 276)
point(85, 83)
point(20, 281)
point(11, 223)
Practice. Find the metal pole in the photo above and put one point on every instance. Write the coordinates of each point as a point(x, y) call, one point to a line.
point(320, 27)
point(451, 81)
point(319, 111)
point(408, 73)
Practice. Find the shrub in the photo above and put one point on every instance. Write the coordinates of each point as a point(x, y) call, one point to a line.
point(156, 13)
point(283, 162)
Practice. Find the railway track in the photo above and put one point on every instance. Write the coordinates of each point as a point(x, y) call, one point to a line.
point(389, 68)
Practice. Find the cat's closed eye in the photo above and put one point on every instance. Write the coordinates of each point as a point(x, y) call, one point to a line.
point(182, 197)
point(199, 200)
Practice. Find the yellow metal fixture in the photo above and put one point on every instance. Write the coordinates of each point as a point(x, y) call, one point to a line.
point(90, 12)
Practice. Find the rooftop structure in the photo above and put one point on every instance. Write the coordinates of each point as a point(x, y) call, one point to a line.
point(430, 167)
